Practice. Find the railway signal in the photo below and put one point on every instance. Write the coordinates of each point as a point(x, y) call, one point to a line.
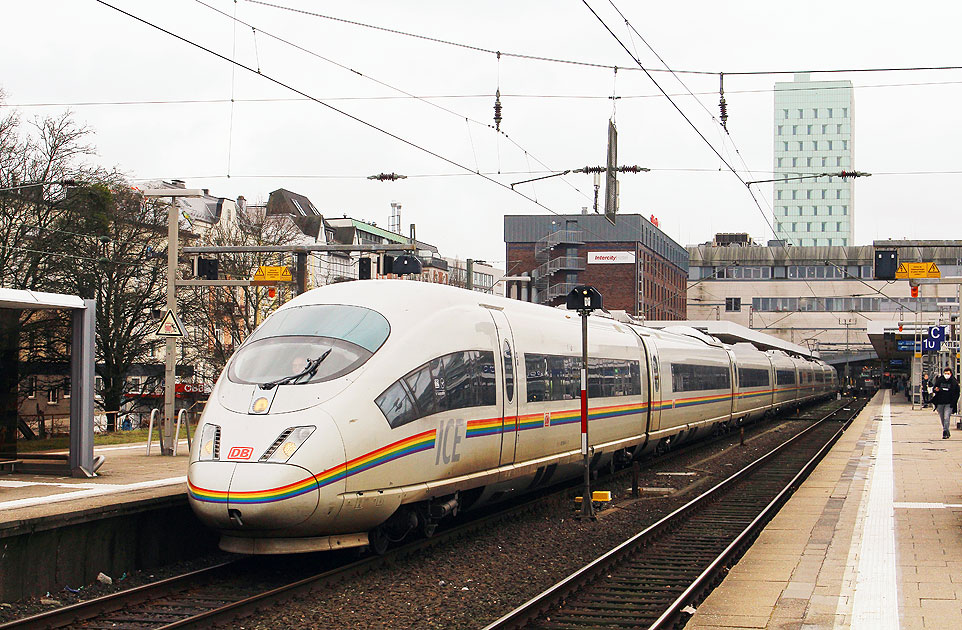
point(584, 299)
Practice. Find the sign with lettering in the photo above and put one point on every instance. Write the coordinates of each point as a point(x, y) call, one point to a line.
point(611, 258)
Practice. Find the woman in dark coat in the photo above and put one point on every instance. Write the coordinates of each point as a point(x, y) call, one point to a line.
point(945, 398)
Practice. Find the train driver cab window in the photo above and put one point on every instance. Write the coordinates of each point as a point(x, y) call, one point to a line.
point(334, 339)
point(454, 381)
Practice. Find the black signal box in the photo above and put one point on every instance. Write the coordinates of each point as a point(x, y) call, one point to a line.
point(886, 264)
point(584, 298)
point(364, 269)
point(406, 265)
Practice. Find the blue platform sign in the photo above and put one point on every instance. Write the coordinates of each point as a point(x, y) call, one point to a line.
point(937, 333)
point(931, 345)
point(906, 345)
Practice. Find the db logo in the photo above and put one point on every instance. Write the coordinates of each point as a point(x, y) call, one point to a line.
point(240, 452)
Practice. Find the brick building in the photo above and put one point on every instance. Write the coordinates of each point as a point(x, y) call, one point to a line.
point(636, 267)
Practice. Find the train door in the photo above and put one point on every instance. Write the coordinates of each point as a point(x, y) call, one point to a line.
point(654, 386)
point(509, 389)
point(735, 385)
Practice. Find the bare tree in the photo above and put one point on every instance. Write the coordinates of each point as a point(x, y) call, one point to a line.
point(222, 317)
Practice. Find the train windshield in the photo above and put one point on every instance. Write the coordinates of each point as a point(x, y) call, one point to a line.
point(291, 339)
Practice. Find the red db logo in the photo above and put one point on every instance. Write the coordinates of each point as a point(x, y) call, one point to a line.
point(240, 452)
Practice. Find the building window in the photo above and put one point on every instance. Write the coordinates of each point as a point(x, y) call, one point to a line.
point(838, 226)
point(733, 304)
point(845, 112)
point(808, 193)
point(844, 211)
point(824, 161)
point(815, 113)
point(808, 161)
point(815, 210)
point(824, 227)
point(785, 113)
point(778, 193)
point(784, 146)
point(778, 162)
point(809, 129)
point(815, 145)
point(824, 128)
point(829, 112)
point(829, 145)
point(794, 130)
point(780, 130)
point(838, 193)
point(794, 161)
point(801, 113)
point(66, 388)
point(31, 387)
point(824, 193)
point(838, 128)
point(800, 145)
point(844, 145)
point(838, 161)
point(52, 396)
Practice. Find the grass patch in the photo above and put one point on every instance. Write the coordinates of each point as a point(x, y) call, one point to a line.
point(100, 439)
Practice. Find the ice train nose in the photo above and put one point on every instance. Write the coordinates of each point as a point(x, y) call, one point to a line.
point(271, 496)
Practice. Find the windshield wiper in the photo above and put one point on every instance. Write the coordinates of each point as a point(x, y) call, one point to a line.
point(310, 369)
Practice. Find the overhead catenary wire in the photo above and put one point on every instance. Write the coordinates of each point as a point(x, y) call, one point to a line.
point(495, 127)
point(589, 64)
point(287, 86)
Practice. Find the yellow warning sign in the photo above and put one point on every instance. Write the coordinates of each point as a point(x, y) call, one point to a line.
point(917, 270)
point(170, 326)
point(272, 275)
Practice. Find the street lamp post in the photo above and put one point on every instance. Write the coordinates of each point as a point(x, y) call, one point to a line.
point(173, 228)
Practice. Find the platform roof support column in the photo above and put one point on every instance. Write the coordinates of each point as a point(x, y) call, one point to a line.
point(9, 379)
point(82, 390)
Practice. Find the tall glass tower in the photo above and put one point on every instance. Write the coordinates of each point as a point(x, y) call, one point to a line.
point(813, 134)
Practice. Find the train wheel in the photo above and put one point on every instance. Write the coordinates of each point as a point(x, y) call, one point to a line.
point(378, 540)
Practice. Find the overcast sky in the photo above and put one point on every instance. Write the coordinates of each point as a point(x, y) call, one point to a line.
point(72, 52)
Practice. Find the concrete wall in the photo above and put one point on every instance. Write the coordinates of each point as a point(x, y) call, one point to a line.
point(41, 555)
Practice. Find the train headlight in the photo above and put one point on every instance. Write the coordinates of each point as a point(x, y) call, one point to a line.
point(286, 444)
point(209, 443)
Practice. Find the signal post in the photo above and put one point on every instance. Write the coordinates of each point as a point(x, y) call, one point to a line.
point(585, 299)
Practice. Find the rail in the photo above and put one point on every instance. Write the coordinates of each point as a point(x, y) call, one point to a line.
point(565, 592)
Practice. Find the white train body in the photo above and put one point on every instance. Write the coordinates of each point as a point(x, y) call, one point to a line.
point(434, 398)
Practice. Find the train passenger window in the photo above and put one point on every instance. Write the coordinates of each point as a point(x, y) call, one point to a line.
point(396, 405)
point(421, 384)
point(687, 377)
point(484, 367)
point(752, 377)
point(784, 377)
point(508, 371)
point(454, 381)
point(554, 377)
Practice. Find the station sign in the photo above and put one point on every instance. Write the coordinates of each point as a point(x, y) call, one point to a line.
point(271, 275)
point(907, 345)
point(911, 270)
point(611, 258)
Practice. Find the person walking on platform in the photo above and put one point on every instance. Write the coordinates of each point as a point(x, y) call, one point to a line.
point(946, 399)
point(926, 384)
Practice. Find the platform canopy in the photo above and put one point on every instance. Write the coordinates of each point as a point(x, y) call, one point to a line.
point(731, 333)
point(18, 298)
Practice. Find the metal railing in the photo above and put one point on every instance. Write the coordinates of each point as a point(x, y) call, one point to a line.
point(561, 263)
point(544, 244)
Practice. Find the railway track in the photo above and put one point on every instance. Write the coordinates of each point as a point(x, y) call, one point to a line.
point(650, 579)
point(224, 592)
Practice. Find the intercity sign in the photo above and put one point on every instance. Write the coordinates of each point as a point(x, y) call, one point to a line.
point(611, 258)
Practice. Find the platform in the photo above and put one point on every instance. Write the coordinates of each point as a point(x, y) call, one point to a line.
point(127, 475)
point(871, 540)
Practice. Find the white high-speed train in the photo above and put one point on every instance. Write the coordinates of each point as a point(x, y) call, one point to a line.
point(360, 412)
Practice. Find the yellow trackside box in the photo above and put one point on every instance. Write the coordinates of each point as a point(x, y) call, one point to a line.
point(598, 496)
